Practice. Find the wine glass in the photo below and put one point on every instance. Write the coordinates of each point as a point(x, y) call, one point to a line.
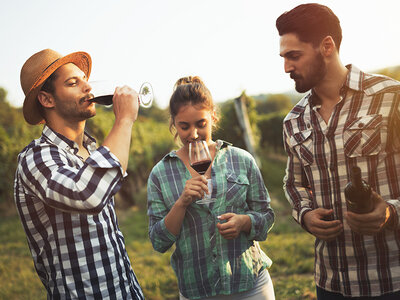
point(103, 92)
point(200, 161)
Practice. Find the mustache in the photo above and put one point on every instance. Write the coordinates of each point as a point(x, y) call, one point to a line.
point(87, 97)
point(294, 76)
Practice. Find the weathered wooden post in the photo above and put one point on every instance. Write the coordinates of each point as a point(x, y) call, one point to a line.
point(241, 113)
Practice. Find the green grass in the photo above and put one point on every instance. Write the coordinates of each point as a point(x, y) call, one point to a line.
point(290, 248)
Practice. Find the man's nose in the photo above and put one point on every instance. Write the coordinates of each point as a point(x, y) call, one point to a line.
point(288, 66)
point(87, 87)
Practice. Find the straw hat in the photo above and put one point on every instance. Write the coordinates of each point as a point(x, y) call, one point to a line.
point(37, 69)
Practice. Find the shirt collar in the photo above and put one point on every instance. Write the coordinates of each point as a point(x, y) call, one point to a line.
point(63, 142)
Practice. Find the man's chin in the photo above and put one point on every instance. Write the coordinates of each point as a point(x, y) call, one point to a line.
point(302, 89)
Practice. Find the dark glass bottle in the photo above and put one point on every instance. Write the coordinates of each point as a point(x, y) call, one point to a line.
point(358, 193)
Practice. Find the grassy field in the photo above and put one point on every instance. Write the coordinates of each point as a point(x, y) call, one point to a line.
point(290, 248)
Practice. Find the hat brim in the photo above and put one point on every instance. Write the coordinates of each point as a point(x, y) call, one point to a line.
point(30, 107)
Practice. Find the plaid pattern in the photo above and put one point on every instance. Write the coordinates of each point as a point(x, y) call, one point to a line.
point(66, 207)
point(363, 130)
point(205, 263)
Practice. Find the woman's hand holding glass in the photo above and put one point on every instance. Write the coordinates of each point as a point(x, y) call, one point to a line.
point(194, 189)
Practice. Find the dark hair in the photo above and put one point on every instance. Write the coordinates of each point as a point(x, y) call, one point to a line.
point(49, 87)
point(311, 23)
point(189, 90)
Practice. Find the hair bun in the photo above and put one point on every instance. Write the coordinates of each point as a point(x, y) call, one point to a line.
point(189, 80)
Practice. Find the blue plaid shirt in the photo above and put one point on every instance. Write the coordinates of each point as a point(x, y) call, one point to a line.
point(205, 263)
point(66, 206)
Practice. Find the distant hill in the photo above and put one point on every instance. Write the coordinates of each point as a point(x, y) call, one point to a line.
point(292, 94)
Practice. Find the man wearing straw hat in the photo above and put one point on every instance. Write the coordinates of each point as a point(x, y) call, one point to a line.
point(65, 185)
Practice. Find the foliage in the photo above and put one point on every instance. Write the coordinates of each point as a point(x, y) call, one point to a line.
point(229, 128)
point(14, 136)
point(393, 72)
point(274, 103)
point(270, 126)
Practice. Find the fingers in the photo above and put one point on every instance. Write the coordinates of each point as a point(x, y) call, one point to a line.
point(369, 223)
point(231, 228)
point(125, 103)
point(366, 224)
point(194, 189)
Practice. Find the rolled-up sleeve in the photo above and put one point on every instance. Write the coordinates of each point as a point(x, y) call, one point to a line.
point(50, 175)
point(159, 235)
point(261, 214)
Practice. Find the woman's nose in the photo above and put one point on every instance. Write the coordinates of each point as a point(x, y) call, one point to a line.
point(194, 134)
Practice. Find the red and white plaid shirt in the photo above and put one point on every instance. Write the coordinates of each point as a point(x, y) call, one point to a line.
point(363, 130)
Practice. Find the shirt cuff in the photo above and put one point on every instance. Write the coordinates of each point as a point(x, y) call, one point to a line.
point(252, 234)
point(166, 232)
point(104, 158)
point(300, 219)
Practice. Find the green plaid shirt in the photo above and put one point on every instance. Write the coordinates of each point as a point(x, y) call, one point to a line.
point(205, 263)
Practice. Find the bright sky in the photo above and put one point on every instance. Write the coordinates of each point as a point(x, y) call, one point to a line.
point(232, 45)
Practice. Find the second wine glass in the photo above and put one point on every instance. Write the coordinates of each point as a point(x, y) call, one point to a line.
point(103, 93)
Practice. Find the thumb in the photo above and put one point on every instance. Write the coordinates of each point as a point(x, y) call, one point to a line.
point(225, 216)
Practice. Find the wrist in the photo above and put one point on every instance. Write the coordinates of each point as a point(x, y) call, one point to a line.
point(246, 223)
point(181, 203)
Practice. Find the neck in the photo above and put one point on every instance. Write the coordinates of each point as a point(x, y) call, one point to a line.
point(73, 131)
point(328, 89)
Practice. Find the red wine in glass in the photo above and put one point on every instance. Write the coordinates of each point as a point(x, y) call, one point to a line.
point(103, 100)
point(201, 166)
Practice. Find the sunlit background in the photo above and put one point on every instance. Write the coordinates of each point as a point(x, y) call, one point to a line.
point(231, 44)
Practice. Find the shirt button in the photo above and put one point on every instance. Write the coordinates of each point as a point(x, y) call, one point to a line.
point(360, 125)
point(308, 125)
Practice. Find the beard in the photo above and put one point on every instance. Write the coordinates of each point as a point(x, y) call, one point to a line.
point(317, 72)
point(74, 110)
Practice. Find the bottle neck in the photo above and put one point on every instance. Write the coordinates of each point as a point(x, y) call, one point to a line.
point(356, 177)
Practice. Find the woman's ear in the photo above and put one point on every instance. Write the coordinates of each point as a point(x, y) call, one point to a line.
point(214, 117)
point(46, 99)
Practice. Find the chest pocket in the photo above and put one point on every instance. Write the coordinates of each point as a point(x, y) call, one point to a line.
point(237, 186)
point(363, 136)
point(302, 143)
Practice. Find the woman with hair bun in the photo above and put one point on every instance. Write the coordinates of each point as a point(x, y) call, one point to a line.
point(217, 255)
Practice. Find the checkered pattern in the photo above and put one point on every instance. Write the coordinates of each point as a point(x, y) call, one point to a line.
point(364, 130)
point(66, 207)
point(205, 263)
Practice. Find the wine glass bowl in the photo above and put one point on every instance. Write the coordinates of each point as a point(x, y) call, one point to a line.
point(102, 92)
point(199, 156)
point(200, 160)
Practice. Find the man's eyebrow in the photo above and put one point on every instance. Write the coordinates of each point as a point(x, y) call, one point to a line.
point(289, 53)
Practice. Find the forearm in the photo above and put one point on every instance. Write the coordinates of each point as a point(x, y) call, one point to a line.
point(174, 219)
point(119, 140)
